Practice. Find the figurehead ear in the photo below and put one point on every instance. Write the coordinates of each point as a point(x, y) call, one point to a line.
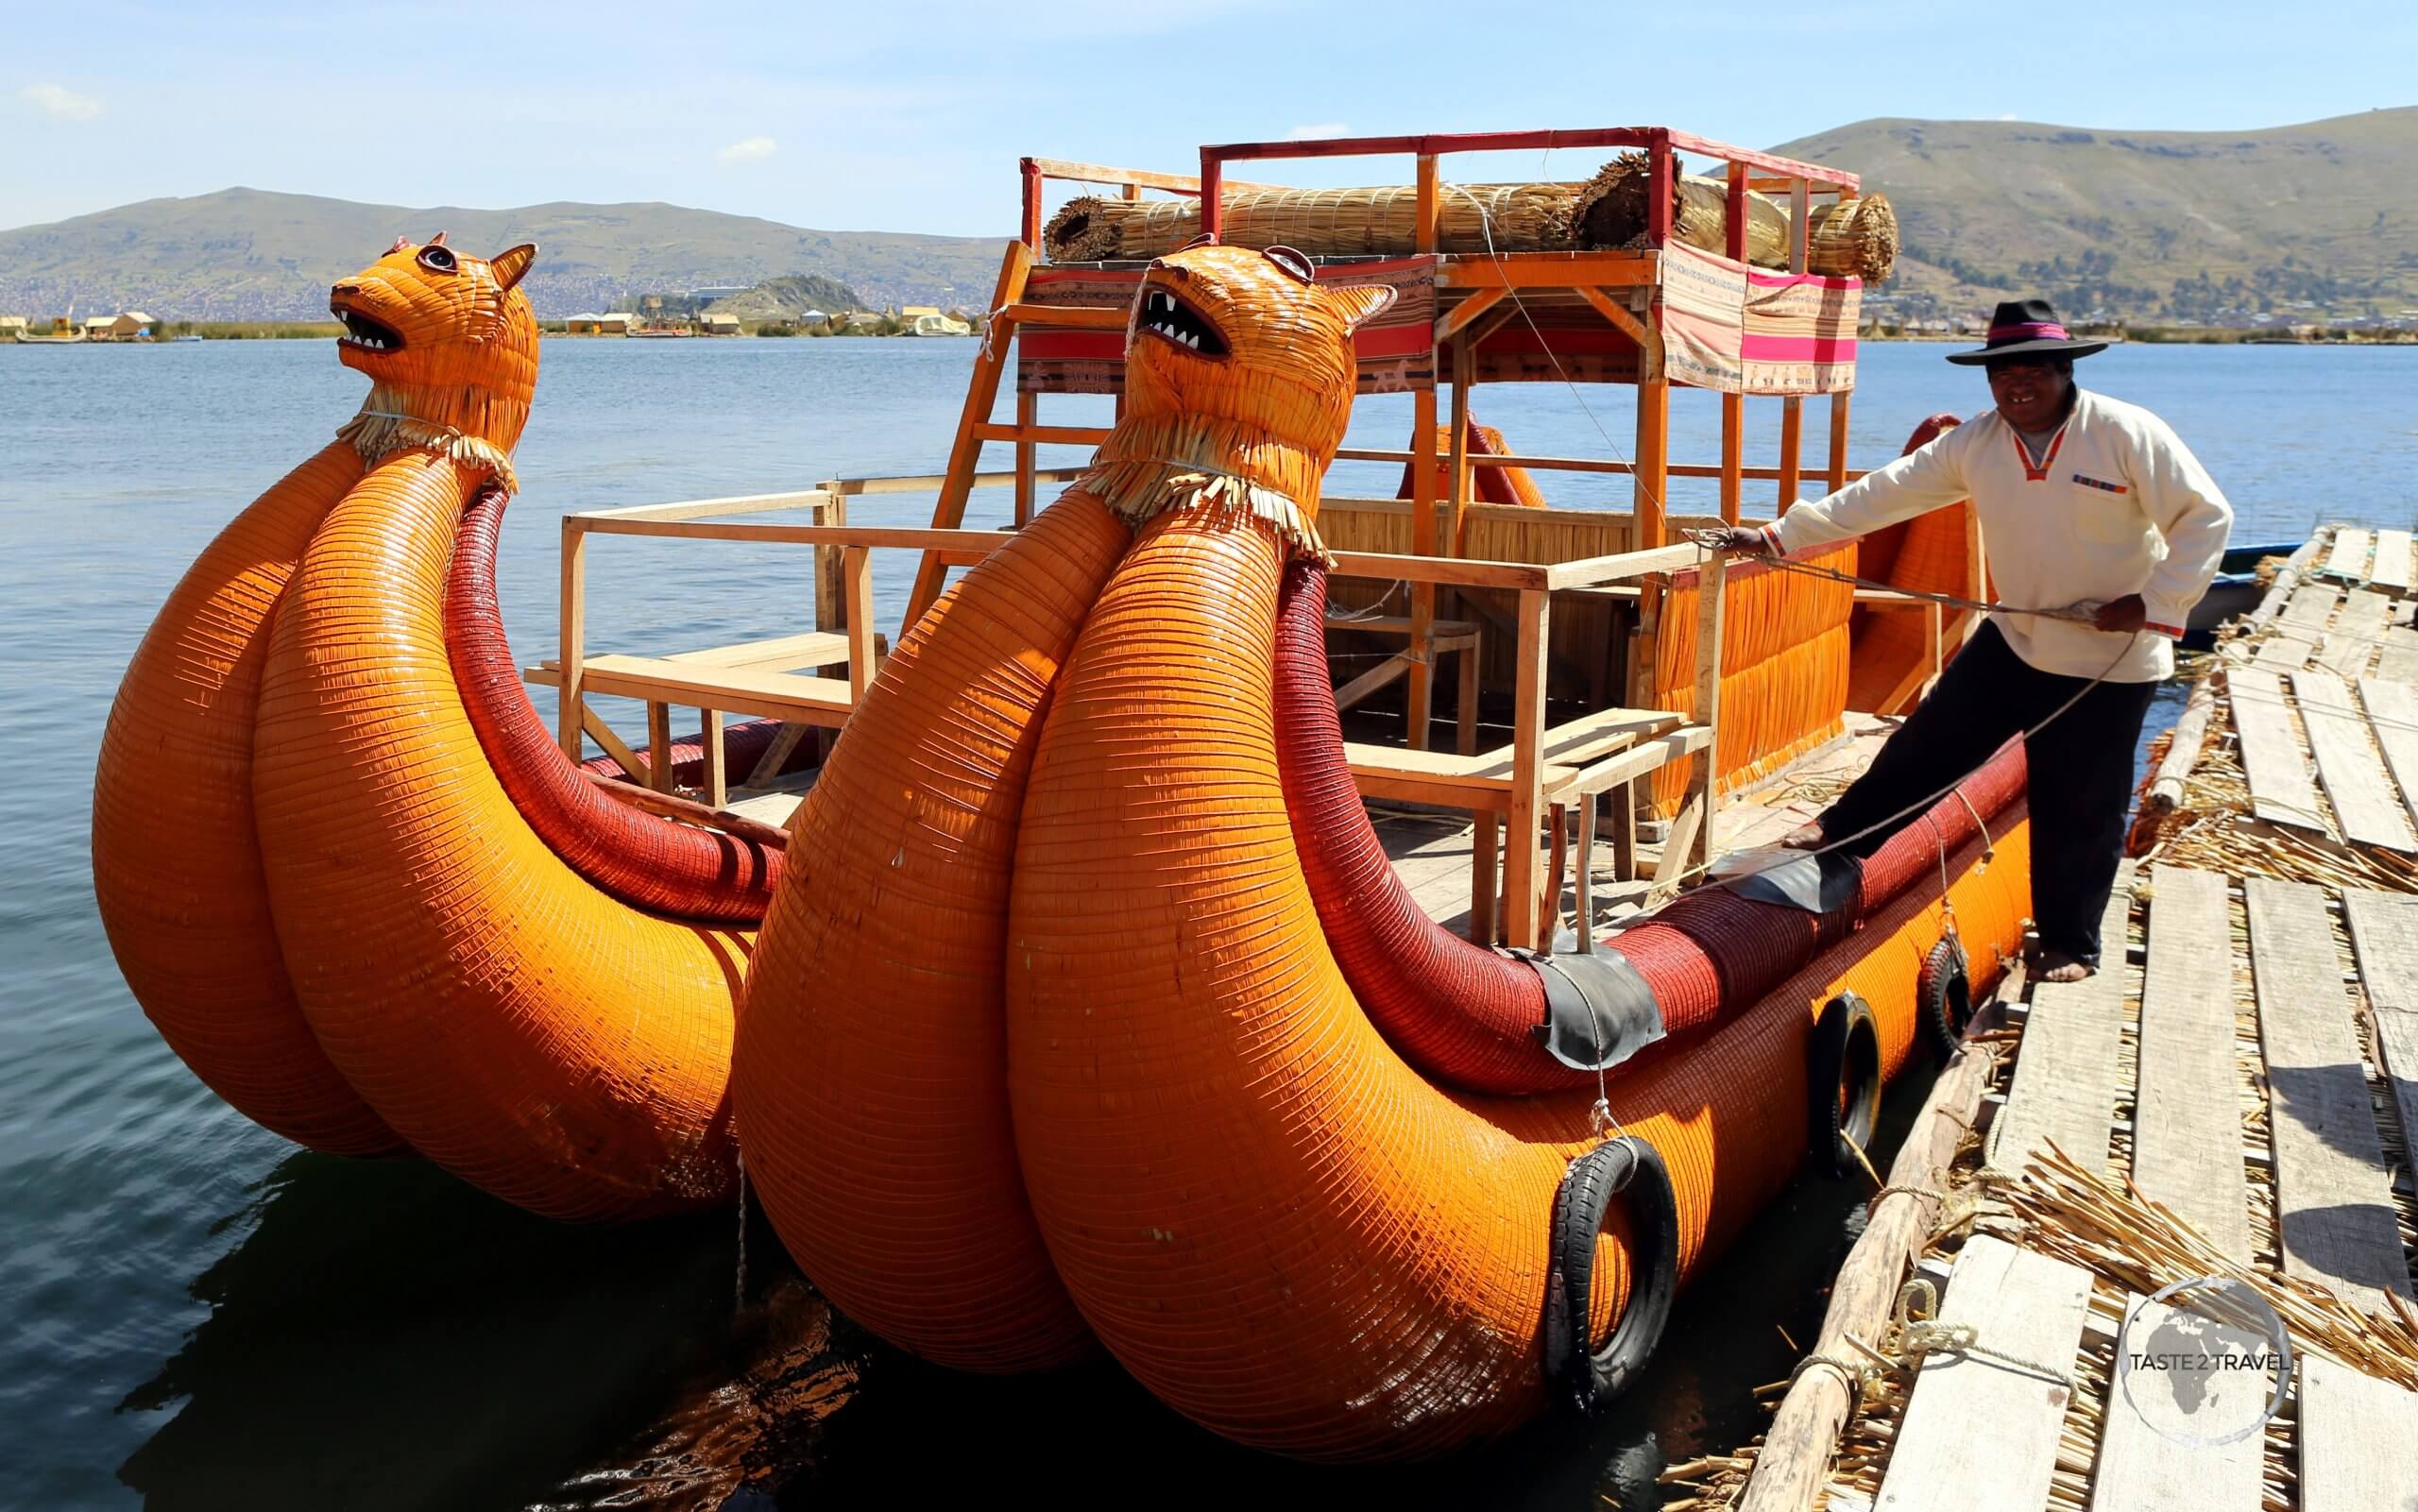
point(1205, 239)
point(1360, 305)
point(1292, 264)
point(402, 243)
point(510, 266)
point(437, 240)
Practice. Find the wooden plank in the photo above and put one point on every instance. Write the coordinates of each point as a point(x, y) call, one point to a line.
point(633, 765)
point(570, 712)
point(658, 746)
point(2392, 569)
point(2355, 1436)
point(1979, 1435)
point(2365, 803)
point(2384, 937)
point(2392, 722)
point(2141, 1469)
point(809, 700)
point(1523, 864)
point(776, 755)
point(1459, 571)
point(2333, 1190)
point(2187, 1121)
point(1628, 766)
point(2297, 630)
point(2358, 627)
point(816, 648)
point(716, 766)
point(2400, 658)
point(709, 508)
point(1704, 781)
point(2280, 789)
point(2064, 1078)
point(2349, 557)
point(1358, 692)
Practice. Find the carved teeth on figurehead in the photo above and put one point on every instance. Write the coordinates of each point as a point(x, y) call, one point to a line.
point(1167, 316)
point(365, 333)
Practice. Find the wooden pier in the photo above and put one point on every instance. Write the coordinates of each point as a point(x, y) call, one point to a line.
point(2230, 1096)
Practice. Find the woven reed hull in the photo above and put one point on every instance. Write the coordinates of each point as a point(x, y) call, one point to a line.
point(1269, 1219)
point(175, 854)
point(870, 1075)
point(550, 1046)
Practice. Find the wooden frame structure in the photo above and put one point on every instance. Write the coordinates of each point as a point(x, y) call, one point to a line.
point(1512, 788)
point(1508, 791)
point(1477, 296)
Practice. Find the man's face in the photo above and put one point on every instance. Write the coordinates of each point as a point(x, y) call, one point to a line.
point(2031, 391)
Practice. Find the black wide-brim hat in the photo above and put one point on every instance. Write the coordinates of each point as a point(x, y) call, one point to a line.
point(2026, 327)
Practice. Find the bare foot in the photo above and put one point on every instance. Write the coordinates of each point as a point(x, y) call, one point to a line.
point(2057, 966)
point(1804, 838)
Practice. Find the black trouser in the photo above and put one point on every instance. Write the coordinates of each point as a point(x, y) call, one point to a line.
point(2081, 772)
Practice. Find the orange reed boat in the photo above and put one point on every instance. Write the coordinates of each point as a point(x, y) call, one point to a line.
point(1087, 1009)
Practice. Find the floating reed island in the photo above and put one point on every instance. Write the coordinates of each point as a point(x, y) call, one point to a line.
point(1852, 238)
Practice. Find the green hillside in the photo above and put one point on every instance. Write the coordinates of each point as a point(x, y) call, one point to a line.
point(789, 295)
point(2222, 227)
point(251, 254)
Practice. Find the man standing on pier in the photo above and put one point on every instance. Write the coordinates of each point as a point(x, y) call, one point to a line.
point(2085, 502)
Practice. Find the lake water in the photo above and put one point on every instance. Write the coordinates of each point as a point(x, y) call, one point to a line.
point(194, 1314)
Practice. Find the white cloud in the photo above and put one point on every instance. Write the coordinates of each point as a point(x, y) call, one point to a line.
point(60, 102)
point(1317, 130)
point(754, 149)
point(2008, 116)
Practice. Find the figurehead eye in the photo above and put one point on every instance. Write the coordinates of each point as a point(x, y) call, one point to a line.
point(438, 259)
point(1294, 264)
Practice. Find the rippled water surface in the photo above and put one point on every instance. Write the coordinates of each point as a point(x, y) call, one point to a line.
point(193, 1315)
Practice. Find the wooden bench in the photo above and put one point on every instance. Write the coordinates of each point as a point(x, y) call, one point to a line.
point(1577, 760)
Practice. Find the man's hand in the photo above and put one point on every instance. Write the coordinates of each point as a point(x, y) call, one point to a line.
point(2123, 616)
point(1742, 540)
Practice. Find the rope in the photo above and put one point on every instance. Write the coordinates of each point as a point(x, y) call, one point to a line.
point(1905, 1189)
point(2075, 613)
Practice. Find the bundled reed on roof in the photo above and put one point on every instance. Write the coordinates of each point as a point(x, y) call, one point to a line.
point(1610, 211)
point(1853, 238)
point(1379, 221)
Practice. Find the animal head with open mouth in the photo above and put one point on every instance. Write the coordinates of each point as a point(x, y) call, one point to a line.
point(1247, 336)
point(453, 331)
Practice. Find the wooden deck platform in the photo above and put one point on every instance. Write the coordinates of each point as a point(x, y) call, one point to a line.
point(2230, 1096)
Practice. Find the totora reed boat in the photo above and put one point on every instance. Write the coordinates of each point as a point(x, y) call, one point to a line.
point(1043, 960)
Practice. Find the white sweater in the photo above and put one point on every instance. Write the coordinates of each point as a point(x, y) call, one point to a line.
point(2120, 506)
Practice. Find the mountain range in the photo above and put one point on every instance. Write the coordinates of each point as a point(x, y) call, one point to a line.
point(2218, 227)
point(252, 254)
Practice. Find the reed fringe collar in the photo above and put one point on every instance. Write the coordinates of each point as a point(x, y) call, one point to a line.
point(379, 433)
point(1149, 468)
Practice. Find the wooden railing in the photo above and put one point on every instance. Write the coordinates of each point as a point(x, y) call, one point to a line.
point(844, 602)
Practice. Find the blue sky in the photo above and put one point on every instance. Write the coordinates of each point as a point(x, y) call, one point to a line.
point(898, 115)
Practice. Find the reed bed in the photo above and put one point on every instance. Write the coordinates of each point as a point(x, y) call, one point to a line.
point(1857, 238)
point(2212, 830)
point(1472, 219)
point(1854, 238)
